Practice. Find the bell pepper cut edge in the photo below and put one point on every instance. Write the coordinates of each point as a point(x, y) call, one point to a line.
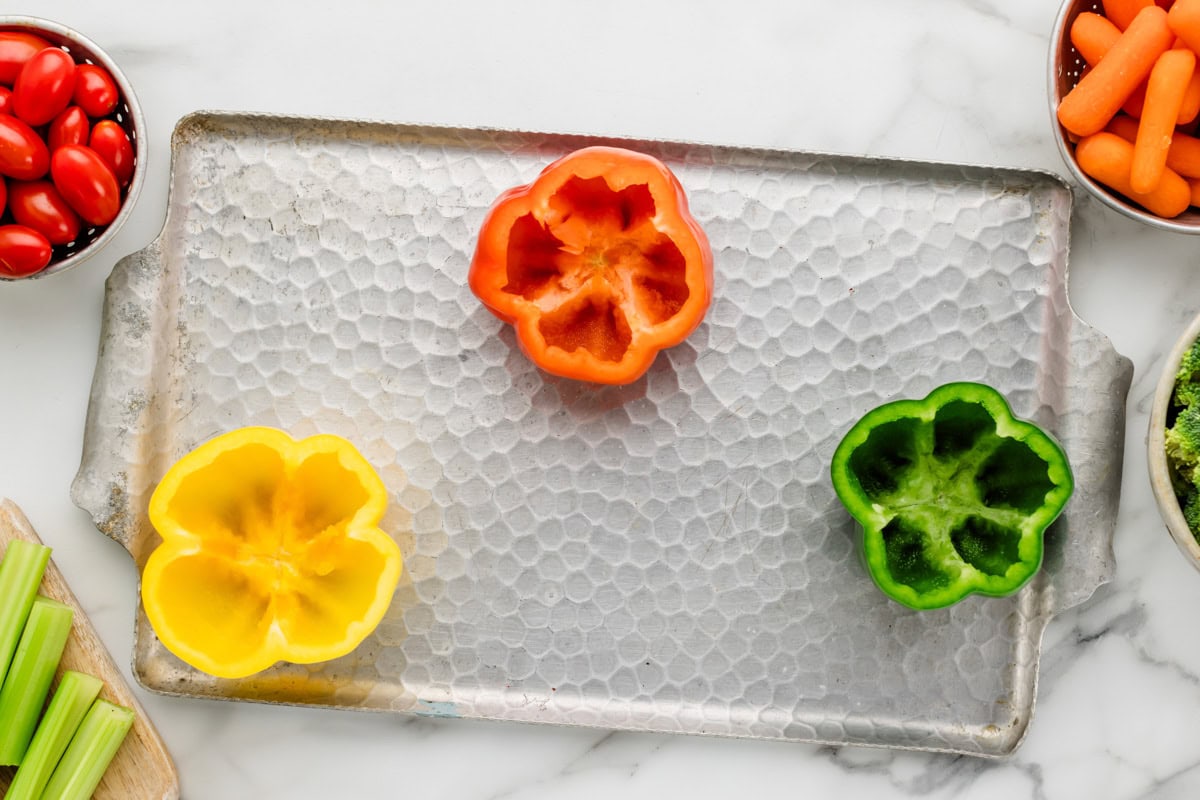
point(872, 519)
point(488, 272)
point(293, 451)
point(275, 647)
point(176, 542)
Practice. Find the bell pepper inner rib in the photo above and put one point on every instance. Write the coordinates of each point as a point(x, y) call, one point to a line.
point(597, 267)
point(279, 542)
point(943, 499)
point(953, 494)
point(953, 483)
point(285, 536)
point(595, 322)
point(597, 264)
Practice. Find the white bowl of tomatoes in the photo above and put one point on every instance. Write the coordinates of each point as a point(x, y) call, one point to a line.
point(72, 149)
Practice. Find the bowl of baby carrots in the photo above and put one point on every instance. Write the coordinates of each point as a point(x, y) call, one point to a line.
point(1125, 98)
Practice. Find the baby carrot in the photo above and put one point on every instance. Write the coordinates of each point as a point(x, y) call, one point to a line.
point(1189, 109)
point(1098, 96)
point(1136, 102)
point(1123, 126)
point(1182, 157)
point(1184, 19)
point(1093, 35)
point(1164, 94)
point(1122, 12)
point(1195, 185)
point(1107, 158)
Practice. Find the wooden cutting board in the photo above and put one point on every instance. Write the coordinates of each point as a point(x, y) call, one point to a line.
point(142, 767)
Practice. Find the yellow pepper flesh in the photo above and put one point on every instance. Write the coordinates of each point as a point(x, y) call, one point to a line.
point(271, 552)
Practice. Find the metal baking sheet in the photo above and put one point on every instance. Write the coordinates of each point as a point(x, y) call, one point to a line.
point(664, 556)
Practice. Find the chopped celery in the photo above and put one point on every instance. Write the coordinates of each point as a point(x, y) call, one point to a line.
point(91, 749)
point(28, 681)
point(70, 702)
point(20, 574)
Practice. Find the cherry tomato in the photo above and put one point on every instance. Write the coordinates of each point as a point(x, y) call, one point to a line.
point(44, 86)
point(3, 194)
point(5, 100)
point(86, 183)
point(112, 144)
point(15, 49)
point(95, 91)
point(38, 205)
point(69, 127)
point(23, 154)
point(23, 251)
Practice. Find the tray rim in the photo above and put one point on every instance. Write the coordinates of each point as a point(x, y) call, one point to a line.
point(1123, 367)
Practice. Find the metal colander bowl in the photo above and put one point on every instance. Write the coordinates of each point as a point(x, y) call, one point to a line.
point(128, 115)
point(1065, 66)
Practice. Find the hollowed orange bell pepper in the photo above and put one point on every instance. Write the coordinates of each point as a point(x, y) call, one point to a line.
point(598, 264)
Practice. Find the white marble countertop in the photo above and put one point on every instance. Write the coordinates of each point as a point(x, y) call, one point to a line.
point(941, 80)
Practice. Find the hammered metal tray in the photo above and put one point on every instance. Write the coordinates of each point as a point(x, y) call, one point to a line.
point(664, 556)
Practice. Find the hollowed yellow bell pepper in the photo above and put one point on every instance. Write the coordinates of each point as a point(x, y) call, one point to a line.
point(271, 552)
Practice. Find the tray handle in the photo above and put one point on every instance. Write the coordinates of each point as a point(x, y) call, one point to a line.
point(1093, 427)
point(125, 401)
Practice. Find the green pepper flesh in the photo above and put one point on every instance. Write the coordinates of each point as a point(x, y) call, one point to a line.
point(953, 494)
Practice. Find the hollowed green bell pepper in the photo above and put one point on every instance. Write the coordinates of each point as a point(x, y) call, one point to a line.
point(953, 494)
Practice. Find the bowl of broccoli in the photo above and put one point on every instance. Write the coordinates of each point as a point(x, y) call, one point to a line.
point(1174, 443)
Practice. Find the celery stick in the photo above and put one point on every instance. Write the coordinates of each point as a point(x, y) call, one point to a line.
point(91, 749)
point(28, 680)
point(70, 702)
point(21, 572)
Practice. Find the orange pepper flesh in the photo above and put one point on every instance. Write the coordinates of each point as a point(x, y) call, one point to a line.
point(598, 263)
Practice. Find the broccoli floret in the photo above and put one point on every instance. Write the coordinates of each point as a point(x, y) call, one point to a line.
point(1191, 512)
point(1187, 379)
point(1183, 438)
point(1183, 458)
point(1183, 445)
